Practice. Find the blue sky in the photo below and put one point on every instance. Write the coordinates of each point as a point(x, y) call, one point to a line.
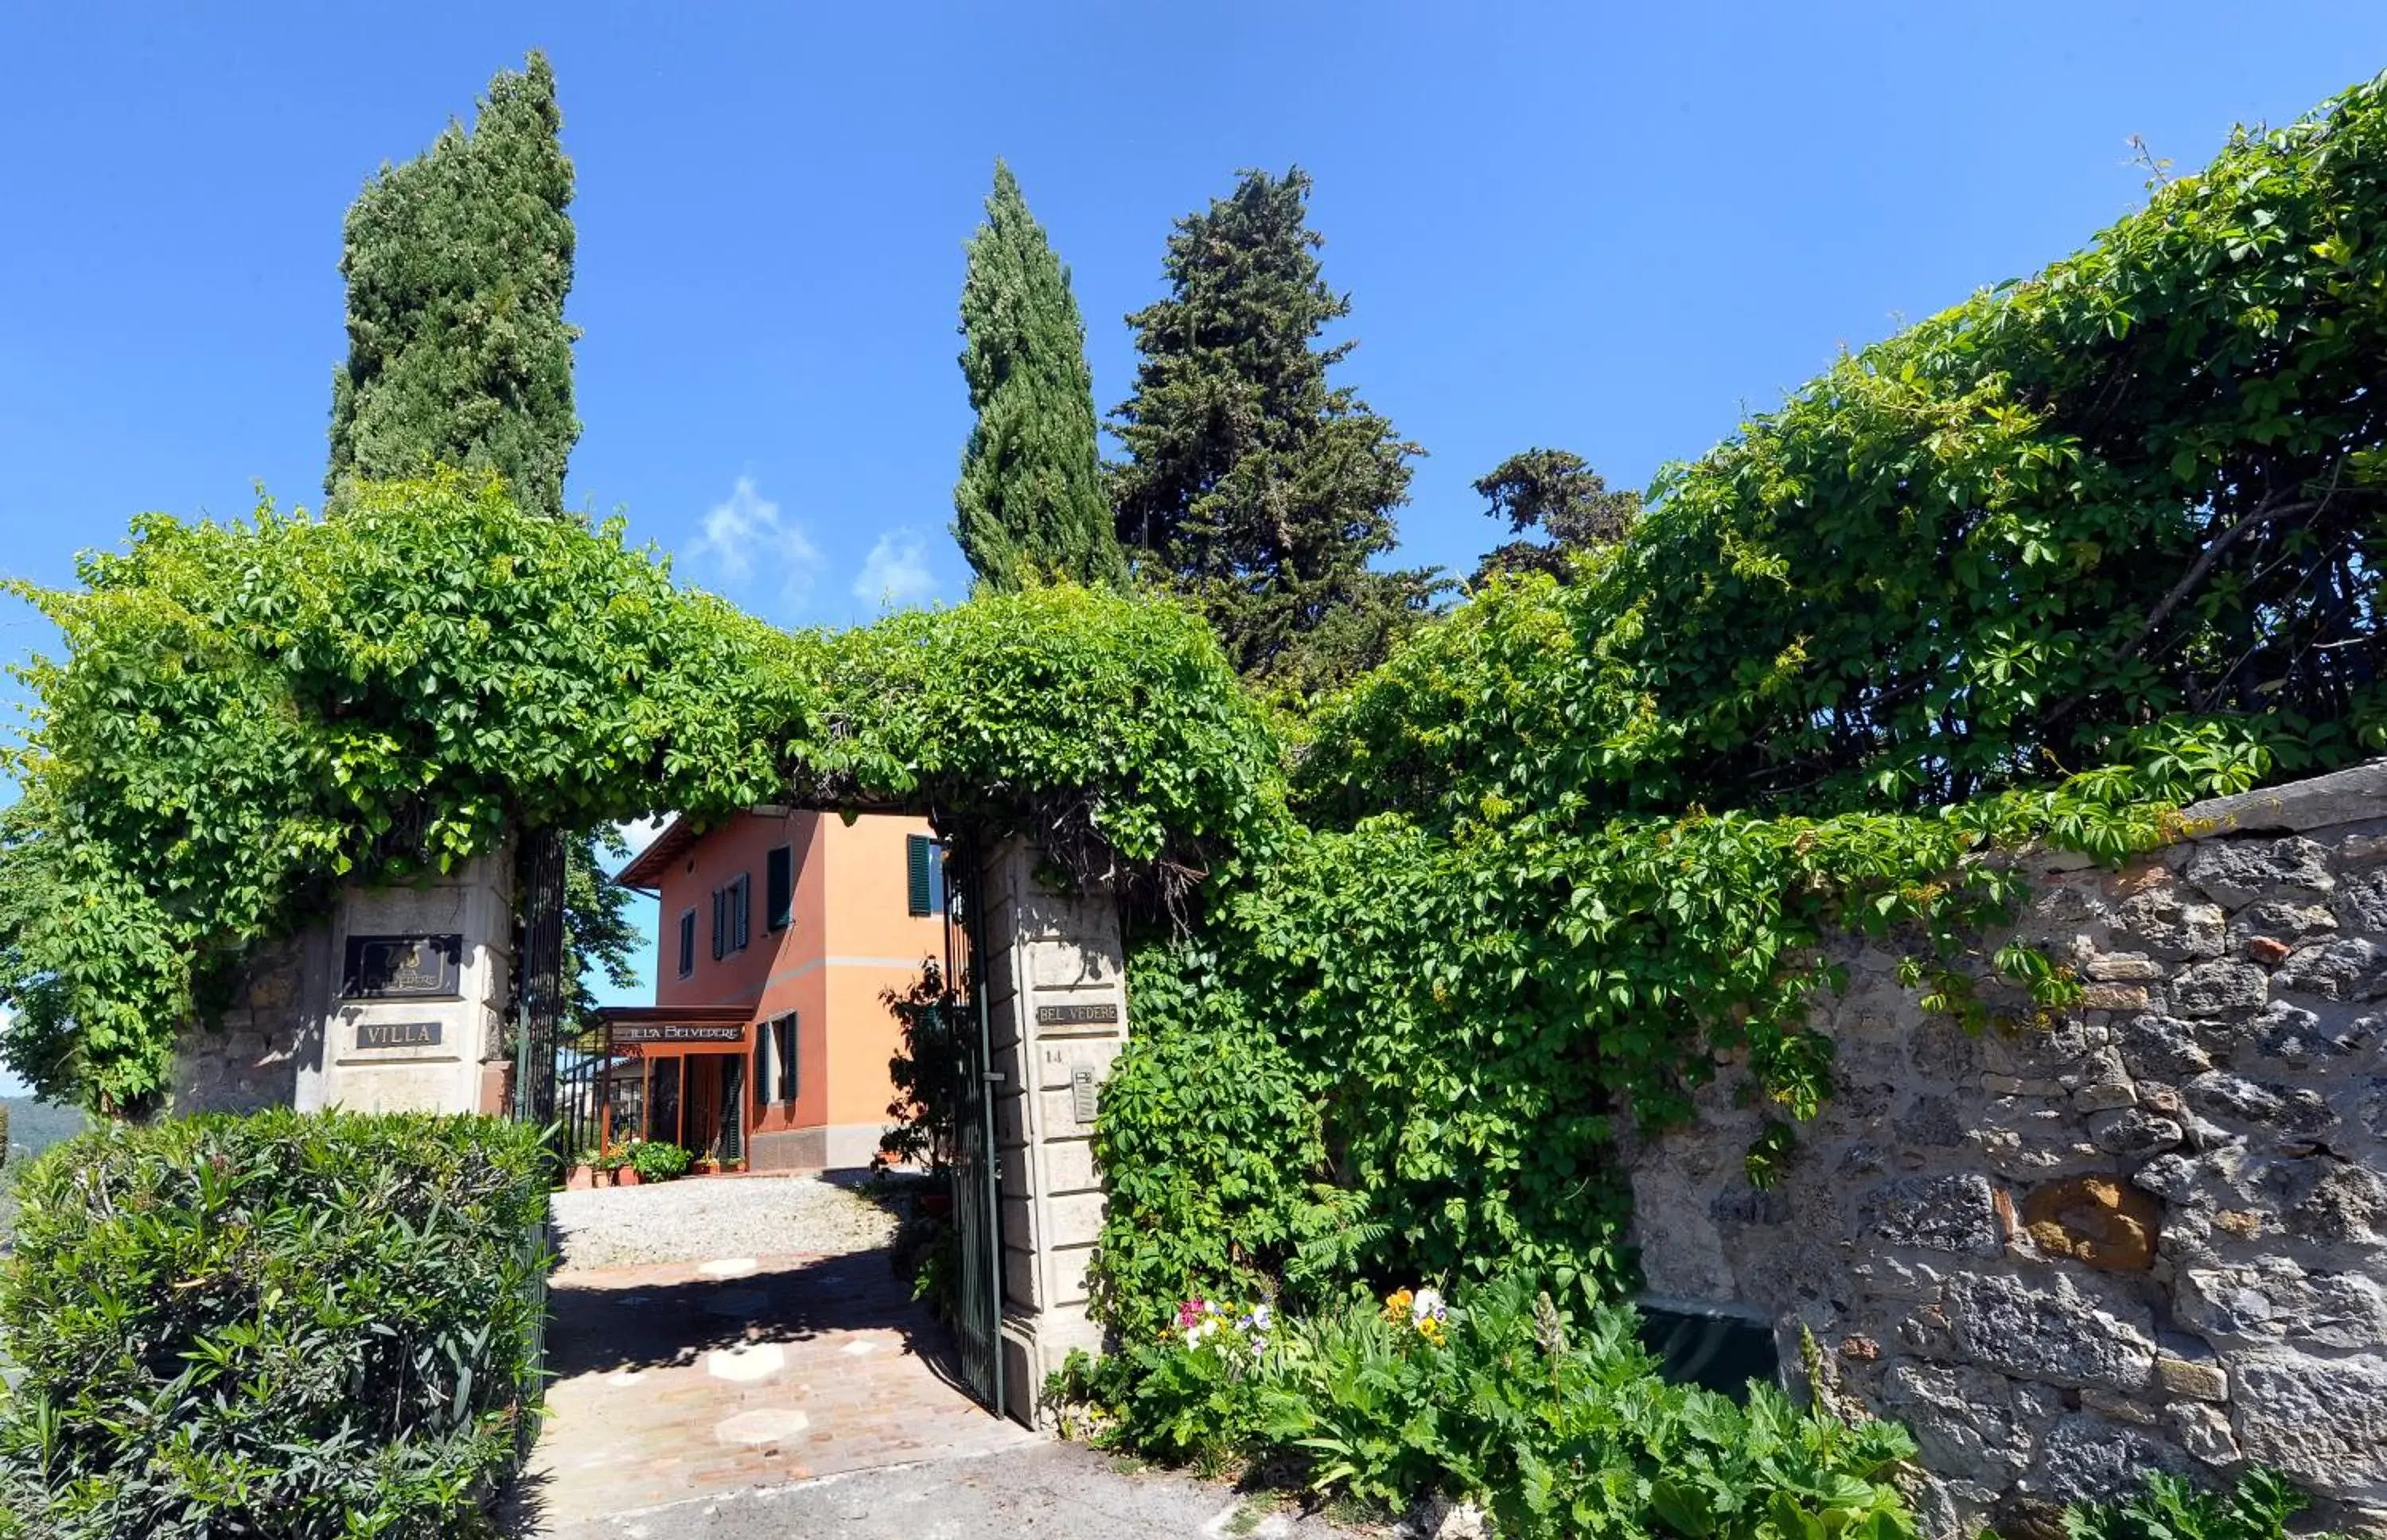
point(1608, 228)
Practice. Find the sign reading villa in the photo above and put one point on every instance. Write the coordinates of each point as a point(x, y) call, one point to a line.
point(398, 1034)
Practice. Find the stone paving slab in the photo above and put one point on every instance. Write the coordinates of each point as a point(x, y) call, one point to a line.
point(1050, 1491)
point(687, 1379)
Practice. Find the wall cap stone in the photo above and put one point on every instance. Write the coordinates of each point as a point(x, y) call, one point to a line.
point(2341, 797)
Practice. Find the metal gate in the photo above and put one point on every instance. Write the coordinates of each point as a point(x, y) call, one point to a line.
point(539, 1051)
point(975, 1165)
point(563, 1071)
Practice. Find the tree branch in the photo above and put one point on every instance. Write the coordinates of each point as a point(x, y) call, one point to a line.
point(2273, 507)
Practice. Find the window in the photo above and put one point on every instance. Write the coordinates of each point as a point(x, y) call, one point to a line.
point(775, 1060)
point(732, 921)
point(662, 1100)
point(687, 943)
point(920, 860)
point(783, 1036)
point(778, 886)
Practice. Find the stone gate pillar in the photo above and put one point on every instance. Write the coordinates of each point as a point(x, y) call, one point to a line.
point(393, 1001)
point(1056, 990)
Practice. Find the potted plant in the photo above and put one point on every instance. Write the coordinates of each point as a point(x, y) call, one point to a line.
point(655, 1160)
point(584, 1173)
point(613, 1166)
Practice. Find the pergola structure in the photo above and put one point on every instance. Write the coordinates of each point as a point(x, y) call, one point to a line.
point(672, 1072)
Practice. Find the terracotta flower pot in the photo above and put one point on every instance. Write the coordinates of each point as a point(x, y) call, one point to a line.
point(627, 1177)
point(580, 1178)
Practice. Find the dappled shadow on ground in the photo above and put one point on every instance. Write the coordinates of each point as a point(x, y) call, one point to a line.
point(655, 1316)
point(520, 1512)
point(899, 1191)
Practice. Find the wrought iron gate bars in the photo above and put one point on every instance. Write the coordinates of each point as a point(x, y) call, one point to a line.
point(975, 1164)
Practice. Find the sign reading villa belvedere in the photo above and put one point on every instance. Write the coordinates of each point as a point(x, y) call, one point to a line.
point(398, 1034)
point(626, 1036)
point(1104, 1015)
point(383, 967)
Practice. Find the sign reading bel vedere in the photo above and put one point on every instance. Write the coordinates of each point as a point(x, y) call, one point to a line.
point(1103, 1013)
point(626, 1036)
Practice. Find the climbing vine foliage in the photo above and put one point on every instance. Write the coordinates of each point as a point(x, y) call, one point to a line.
point(2141, 488)
point(249, 713)
point(1574, 848)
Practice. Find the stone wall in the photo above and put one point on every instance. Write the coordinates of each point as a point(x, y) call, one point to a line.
point(274, 1028)
point(2153, 1235)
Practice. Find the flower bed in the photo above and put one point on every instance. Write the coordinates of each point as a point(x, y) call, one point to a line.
point(1559, 1425)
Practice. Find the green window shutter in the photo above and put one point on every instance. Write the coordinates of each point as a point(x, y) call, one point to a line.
point(778, 886)
point(920, 851)
point(783, 1033)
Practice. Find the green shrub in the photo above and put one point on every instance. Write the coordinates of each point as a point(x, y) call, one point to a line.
point(1208, 1144)
point(287, 1326)
point(1558, 1426)
point(659, 1160)
point(2258, 1507)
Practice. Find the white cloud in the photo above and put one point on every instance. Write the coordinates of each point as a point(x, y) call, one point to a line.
point(747, 534)
point(896, 572)
point(642, 832)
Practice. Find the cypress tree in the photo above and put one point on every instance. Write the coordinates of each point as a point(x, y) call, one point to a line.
point(457, 265)
point(1256, 485)
point(1029, 506)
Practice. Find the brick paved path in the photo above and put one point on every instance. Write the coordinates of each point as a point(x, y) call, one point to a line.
point(689, 1380)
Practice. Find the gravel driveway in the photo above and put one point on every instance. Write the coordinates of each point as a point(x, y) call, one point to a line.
point(702, 1220)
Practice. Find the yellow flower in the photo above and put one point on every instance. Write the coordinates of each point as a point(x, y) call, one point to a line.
point(1396, 1305)
point(1431, 1330)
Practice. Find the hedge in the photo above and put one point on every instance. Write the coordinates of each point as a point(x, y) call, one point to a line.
point(285, 1325)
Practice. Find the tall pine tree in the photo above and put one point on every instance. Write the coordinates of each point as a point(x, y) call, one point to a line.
point(457, 265)
point(1257, 486)
point(1029, 506)
point(1555, 493)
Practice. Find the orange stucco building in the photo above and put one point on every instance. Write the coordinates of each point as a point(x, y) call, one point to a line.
point(780, 932)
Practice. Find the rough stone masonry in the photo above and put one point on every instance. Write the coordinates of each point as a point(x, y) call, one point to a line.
point(2151, 1234)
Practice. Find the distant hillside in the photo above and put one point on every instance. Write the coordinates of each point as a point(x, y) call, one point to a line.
point(35, 1125)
